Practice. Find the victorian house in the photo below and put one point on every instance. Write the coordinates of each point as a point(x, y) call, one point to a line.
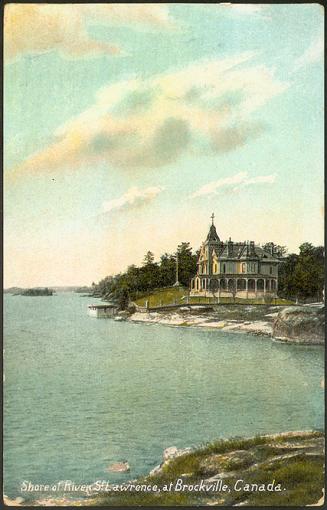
point(240, 269)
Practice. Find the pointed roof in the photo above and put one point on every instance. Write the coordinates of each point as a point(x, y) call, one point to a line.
point(239, 251)
point(212, 234)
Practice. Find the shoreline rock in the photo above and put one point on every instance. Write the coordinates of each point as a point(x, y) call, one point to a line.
point(299, 325)
point(226, 461)
point(119, 467)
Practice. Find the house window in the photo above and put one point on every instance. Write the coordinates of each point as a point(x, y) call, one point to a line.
point(271, 269)
point(243, 267)
point(224, 268)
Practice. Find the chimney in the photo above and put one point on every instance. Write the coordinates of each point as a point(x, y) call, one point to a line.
point(271, 248)
point(230, 247)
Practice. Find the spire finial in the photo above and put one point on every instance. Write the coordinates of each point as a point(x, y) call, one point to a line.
point(212, 217)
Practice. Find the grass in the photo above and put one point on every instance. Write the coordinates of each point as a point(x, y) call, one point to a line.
point(175, 295)
point(301, 478)
point(161, 297)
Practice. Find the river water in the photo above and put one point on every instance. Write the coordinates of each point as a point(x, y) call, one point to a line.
point(81, 393)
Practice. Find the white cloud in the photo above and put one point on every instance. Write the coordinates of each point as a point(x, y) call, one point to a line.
point(206, 107)
point(36, 29)
point(313, 54)
point(134, 197)
point(233, 184)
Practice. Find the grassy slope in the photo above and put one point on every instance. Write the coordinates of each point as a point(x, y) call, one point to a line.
point(171, 295)
point(258, 460)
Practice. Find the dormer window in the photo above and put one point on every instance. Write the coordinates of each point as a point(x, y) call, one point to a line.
point(243, 267)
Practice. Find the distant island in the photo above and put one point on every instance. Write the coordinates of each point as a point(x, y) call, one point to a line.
point(47, 291)
point(36, 292)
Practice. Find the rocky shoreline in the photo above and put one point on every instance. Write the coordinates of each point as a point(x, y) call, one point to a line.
point(267, 470)
point(293, 324)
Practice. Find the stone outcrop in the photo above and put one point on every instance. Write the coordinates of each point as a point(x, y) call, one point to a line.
point(251, 468)
point(169, 454)
point(302, 324)
point(119, 467)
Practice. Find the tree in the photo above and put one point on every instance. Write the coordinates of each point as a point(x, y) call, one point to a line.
point(167, 270)
point(214, 286)
point(302, 276)
point(280, 250)
point(309, 272)
point(286, 284)
point(149, 273)
point(275, 249)
point(122, 298)
point(186, 263)
point(148, 258)
point(232, 288)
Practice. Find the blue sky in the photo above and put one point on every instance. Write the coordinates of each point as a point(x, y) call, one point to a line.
point(126, 125)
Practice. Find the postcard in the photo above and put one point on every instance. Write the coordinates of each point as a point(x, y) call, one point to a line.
point(163, 254)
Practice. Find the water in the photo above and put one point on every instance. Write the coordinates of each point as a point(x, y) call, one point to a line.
point(81, 393)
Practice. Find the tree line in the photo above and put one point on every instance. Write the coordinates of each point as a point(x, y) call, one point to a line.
point(301, 276)
point(137, 281)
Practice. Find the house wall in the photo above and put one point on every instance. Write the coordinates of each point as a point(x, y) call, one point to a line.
point(266, 267)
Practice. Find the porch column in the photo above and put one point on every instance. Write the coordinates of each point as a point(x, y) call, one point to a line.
point(246, 288)
point(264, 285)
point(255, 287)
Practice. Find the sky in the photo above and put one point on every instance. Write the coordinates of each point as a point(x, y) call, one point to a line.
point(127, 125)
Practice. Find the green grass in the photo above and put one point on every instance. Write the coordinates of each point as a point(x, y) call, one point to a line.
point(163, 297)
point(174, 295)
point(302, 476)
point(303, 480)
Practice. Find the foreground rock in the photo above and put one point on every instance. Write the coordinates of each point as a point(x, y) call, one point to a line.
point(119, 467)
point(272, 470)
point(284, 469)
point(12, 502)
point(303, 324)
